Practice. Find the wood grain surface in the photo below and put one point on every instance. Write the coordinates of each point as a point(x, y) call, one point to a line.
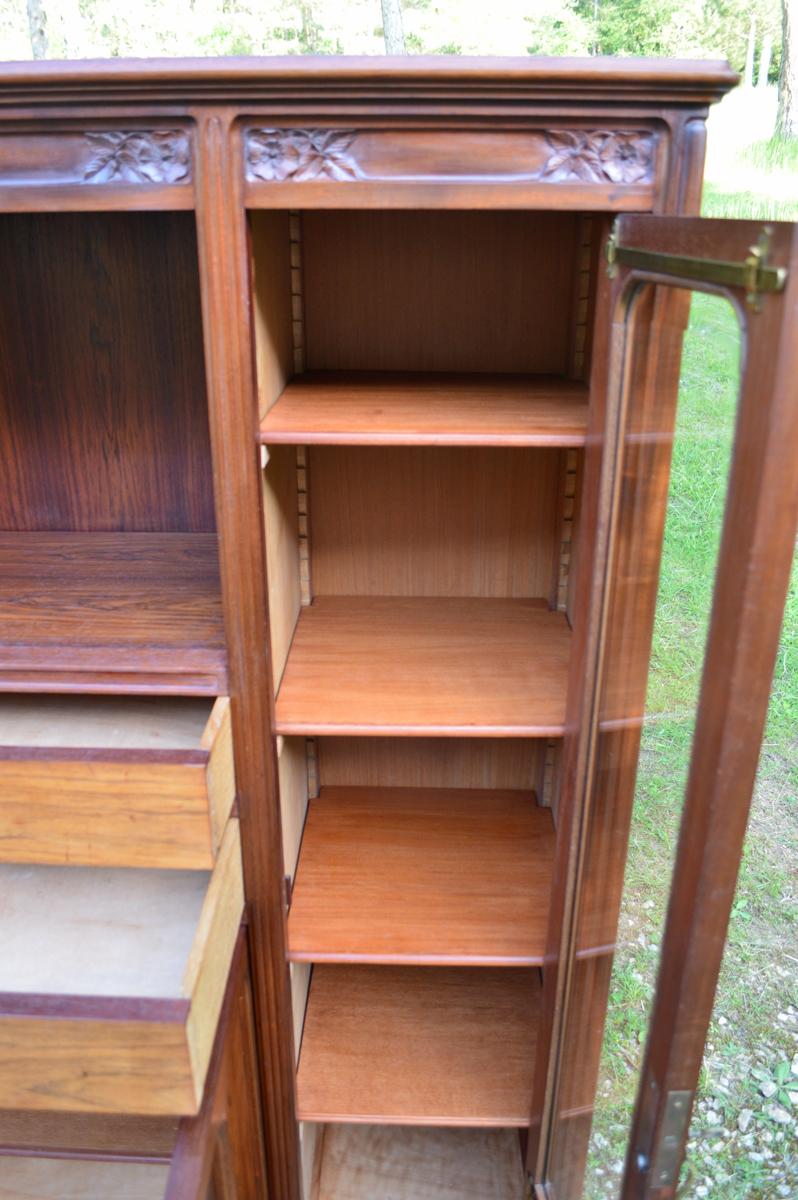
point(281, 534)
point(32, 1178)
point(106, 1013)
point(419, 1045)
point(114, 782)
point(362, 408)
point(100, 609)
point(429, 762)
point(223, 1143)
point(435, 291)
point(101, 814)
point(271, 295)
point(424, 876)
point(90, 1135)
point(103, 417)
point(433, 521)
point(458, 667)
point(373, 1162)
point(225, 280)
point(84, 1065)
point(110, 723)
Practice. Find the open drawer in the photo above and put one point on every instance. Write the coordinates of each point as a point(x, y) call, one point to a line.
point(114, 781)
point(111, 983)
point(215, 1155)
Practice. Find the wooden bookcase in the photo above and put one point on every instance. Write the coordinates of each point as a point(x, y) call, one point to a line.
point(301, 415)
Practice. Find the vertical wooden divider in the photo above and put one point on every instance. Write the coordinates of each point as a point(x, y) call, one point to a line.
point(232, 400)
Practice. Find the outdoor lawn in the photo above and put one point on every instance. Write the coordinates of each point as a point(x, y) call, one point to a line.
point(744, 1138)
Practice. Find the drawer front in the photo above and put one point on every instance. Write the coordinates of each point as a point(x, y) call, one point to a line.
point(219, 1152)
point(108, 1053)
point(112, 803)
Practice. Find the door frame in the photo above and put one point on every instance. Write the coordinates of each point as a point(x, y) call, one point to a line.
point(755, 267)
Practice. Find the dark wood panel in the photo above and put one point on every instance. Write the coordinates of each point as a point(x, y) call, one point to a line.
point(427, 291)
point(103, 420)
point(412, 82)
point(225, 1137)
point(93, 610)
point(233, 408)
point(133, 159)
point(103, 1134)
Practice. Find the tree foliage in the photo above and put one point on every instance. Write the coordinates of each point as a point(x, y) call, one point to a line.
point(681, 28)
point(693, 28)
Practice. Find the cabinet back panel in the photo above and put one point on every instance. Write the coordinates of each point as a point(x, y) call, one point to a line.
point(433, 521)
point(103, 414)
point(430, 762)
point(433, 291)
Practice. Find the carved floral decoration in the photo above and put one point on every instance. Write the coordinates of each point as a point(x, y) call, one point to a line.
point(301, 155)
point(151, 156)
point(570, 156)
point(598, 156)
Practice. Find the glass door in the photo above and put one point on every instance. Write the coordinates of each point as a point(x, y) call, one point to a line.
point(656, 262)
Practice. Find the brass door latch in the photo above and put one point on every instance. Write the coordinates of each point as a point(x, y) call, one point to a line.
point(754, 274)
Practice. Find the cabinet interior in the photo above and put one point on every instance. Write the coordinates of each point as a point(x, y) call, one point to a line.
point(423, 396)
point(107, 512)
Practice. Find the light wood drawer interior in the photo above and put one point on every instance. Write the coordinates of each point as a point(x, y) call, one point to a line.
point(23, 1178)
point(112, 981)
point(114, 781)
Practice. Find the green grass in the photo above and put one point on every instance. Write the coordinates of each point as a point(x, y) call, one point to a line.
point(754, 1033)
point(776, 154)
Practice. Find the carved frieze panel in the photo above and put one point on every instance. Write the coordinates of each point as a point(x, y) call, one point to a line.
point(301, 154)
point(138, 158)
point(605, 156)
point(152, 156)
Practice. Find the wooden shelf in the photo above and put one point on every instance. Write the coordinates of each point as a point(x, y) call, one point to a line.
point(412, 666)
point(366, 408)
point(419, 1045)
point(365, 1162)
point(422, 875)
point(111, 612)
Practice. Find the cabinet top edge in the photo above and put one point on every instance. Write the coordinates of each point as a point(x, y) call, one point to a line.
point(207, 80)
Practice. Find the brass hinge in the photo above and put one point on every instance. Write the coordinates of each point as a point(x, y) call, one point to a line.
point(667, 1158)
point(660, 1159)
point(754, 274)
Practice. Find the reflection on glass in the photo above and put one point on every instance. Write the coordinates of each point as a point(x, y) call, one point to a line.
point(657, 722)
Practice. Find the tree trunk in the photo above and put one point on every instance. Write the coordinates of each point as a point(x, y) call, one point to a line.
point(392, 26)
point(748, 73)
point(37, 23)
point(788, 78)
point(764, 61)
point(310, 35)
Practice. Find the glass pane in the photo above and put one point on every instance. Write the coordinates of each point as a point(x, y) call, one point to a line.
point(699, 470)
point(743, 1134)
point(742, 1139)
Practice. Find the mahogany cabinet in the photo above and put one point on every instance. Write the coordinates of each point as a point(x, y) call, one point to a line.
point(303, 403)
